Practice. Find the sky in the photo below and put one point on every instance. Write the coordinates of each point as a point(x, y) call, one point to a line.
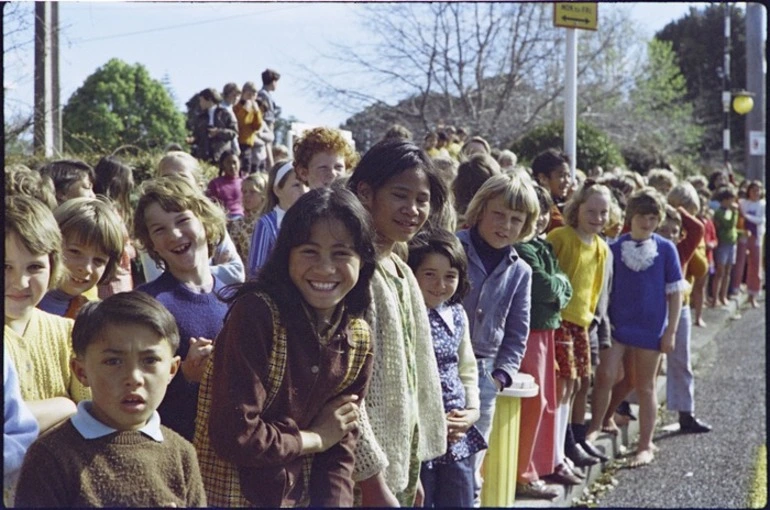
point(207, 44)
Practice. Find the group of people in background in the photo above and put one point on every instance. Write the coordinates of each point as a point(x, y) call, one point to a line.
point(333, 329)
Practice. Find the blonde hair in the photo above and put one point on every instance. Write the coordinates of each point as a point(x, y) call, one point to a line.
point(20, 179)
point(93, 222)
point(34, 225)
point(175, 194)
point(661, 179)
point(684, 195)
point(517, 193)
point(258, 179)
point(183, 160)
point(583, 193)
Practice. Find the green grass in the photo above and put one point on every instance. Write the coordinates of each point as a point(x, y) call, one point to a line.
point(758, 490)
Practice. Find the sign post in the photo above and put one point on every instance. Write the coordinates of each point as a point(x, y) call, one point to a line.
point(572, 15)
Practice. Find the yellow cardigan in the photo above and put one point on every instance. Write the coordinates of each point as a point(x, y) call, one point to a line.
point(42, 358)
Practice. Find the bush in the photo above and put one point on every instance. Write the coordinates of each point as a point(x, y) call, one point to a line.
point(593, 147)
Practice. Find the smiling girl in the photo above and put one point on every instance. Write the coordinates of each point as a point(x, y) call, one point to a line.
point(38, 342)
point(397, 183)
point(93, 240)
point(278, 411)
point(226, 189)
point(180, 227)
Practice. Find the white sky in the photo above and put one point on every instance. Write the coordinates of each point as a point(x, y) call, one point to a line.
point(206, 44)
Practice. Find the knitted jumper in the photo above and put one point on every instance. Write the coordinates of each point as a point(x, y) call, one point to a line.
point(391, 413)
point(123, 469)
point(42, 358)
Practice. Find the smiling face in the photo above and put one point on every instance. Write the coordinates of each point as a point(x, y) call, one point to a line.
point(85, 266)
point(128, 368)
point(643, 226)
point(399, 208)
point(179, 239)
point(437, 278)
point(558, 181)
point(290, 192)
point(498, 224)
point(593, 214)
point(326, 267)
point(323, 169)
point(543, 220)
point(26, 280)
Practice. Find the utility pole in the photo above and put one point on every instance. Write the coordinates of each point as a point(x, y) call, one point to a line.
point(47, 118)
point(726, 95)
point(755, 83)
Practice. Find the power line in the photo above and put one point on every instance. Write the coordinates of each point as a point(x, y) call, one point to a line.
point(183, 25)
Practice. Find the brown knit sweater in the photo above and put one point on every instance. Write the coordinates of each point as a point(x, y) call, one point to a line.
point(123, 469)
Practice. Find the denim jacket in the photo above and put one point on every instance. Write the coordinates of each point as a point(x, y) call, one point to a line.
point(498, 307)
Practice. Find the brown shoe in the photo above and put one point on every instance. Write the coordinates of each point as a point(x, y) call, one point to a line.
point(535, 490)
point(564, 475)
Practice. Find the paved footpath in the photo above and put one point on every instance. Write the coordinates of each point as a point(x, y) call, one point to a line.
point(711, 470)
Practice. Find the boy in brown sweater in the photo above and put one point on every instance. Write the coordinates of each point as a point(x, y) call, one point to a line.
point(114, 452)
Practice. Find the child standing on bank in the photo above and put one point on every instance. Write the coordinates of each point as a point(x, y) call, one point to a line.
point(581, 253)
point(726, 223)
point(178, 226)
point(753, 208)
point(504, 211)
point(397, 183)
point(322, 155)
point(644, 309)
point(551, 291)
point(226, 188)
point(441, 268)
point(114, 452)
point(283, 189)
point(92, 236)
point(278, 410)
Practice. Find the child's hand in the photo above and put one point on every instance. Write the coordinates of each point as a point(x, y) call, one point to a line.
point(213, 132)
point(459, 421)
point(195, 362)
point(667, 342)
point(338, 417)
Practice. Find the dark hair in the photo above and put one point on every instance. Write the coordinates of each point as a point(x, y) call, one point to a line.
point(725, 192)
point(713, 176)
point(389, 158)
point(65, 172)
point(471, 174)
point(444, 243)
point(226, 154)
point(115, 180)
point(124, 308)
point(269, 76)
point(210, 94)
point(548, 160)
point(229, 88)
point(333, 202)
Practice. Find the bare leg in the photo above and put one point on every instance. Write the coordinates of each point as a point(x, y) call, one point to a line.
point(696, 300)
point(646, 364)
point(717, 284)
point(606, 374)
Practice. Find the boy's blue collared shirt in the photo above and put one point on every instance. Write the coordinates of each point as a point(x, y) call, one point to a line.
point(91, 428)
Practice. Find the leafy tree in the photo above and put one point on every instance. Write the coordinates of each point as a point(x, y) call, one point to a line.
point(120, 104)
point(593, 146)
point(698, 41)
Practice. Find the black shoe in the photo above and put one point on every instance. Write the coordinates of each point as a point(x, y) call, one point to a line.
point(593, 451)
point(624, 409)
point(689, 424)
point(579, 456)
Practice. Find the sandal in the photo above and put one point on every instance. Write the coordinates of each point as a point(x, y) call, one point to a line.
point(535, 490)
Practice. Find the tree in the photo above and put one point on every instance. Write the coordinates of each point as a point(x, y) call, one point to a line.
point(120, 104)
point(494, 68)
point(698, 41)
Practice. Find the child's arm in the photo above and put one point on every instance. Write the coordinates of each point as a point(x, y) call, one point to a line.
point(669, 335)
point(226, 265)
point(757, 218)
point(693, 230)
point(460, 420)
point(514, 343)
point(51, 411)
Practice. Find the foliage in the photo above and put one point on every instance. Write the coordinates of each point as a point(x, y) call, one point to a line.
point(698, 41)
point(495, 69)
point(593, 147)
point(120, 104)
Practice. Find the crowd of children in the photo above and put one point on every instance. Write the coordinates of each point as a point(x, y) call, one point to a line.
point(333, 330)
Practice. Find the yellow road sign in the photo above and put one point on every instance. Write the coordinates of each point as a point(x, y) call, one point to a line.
point(576, 15)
